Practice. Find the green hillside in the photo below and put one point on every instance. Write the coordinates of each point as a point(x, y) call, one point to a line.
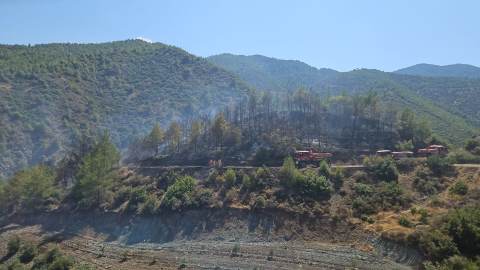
point(448, 121)
point(457, 70)
point(274, 74)
point(452, 103)
point(51, 94)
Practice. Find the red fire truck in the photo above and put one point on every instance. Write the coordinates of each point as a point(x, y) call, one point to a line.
point(302, 158)
point(433, 150)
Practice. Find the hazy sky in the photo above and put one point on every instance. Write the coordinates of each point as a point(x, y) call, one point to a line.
point(342, 35)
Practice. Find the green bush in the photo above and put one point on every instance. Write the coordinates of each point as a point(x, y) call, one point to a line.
point(138, 195)
point(149, 208)
point(339, 176)
point(180, 191)
point(437, 163)
point(370, 220)
point(288, 170)
point(324, 169)
point(413, 210)
point(362, 189)
point(260, 201)
point(230, 177)
point(14, 244)
point(388, 171)
point(364, 217)
point(405, 222)
point(29, 252)
point(15, 265)
point(460, 188)
point(463, 225)
point(470, 144)
point(367, 164)
point(48, 257)
point(311, 184)
point(63, 263)
point(262, 155)
point(236, 248)
point(122, 195)
point(461, 156)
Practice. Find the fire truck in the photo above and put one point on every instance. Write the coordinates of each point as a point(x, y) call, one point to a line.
point(302, 158)
point(433, 150)
point(383, 153)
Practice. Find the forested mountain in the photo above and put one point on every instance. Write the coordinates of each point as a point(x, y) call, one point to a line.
point(51, 94)
point(457, 70)
point(452, 104)
point(274, 74)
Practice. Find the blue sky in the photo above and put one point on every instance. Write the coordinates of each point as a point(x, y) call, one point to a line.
point(343, 35)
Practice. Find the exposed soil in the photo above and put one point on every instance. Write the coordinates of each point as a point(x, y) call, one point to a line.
point(203, 239)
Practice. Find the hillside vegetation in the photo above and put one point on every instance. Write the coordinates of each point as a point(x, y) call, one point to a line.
point(457, 70)
point(52, 94)
point(451, 104)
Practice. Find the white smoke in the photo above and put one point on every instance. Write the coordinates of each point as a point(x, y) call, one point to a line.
point(145, 39)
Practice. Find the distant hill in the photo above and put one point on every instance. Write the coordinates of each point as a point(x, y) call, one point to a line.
point(51, 94)
point(457, 70)
point(452, 103)
point(274, 74)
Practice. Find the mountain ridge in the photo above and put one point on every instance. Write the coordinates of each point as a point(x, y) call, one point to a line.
point(429, 70)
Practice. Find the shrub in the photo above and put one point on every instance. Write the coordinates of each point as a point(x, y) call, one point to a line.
point(262, 155)
point(311, 184)
point(470, 144)
point(125, 254)
point(14, 244)
point(362, 189)
point(463, 226)
point(437, 163)
point(205, 196)
point(288, 170)
point(460, 188)
point(230, 177)
point(271, 252)
point(364, 217)
point(154, 259)
point(260, 201)
point(29, 252)
point(138, 195)
point(63, 263)
point(231, 195)
point(324, 169)
point(413, 210)
point(49, 256)
point(370, 220)
point(405, 145)
point(339, 176)
point(387, 170)
point(236, 248)
point(423, 215)
point(15, 265)
point(180, 190)
point(405, 222)
point(463, 157)
point(367, 164)
point(122, 195)
point(149, 208)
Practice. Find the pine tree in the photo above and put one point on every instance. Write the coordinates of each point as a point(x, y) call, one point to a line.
point(95, 175)
point(155, 138)
point(219, 127)
point(195, 131)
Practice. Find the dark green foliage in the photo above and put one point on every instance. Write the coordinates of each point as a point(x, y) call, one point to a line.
point(405, 146)
point(387, 170)
point(138, 195)
point(339, 176)
point(122, 195)
point(310, 184)
point(14, 244)
point(29, 251)
point(63, 263)
point(205, 196)
point(470, 144)
point(423, 215)
point(324, 169)
point(150, 206)
point(230, 178)
point(180, 191)
point(460, 188)
point(463, 157)
point(236, 248)
point(362, 189)
point(111, 84)
point(464, 226)
point(15, 265)
point(260, 201)
point(385, 196)
point(262, 155)
point(288, 170)
point(370, 220)
point(53, 259)
point(405, 222)
point(438, 163)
